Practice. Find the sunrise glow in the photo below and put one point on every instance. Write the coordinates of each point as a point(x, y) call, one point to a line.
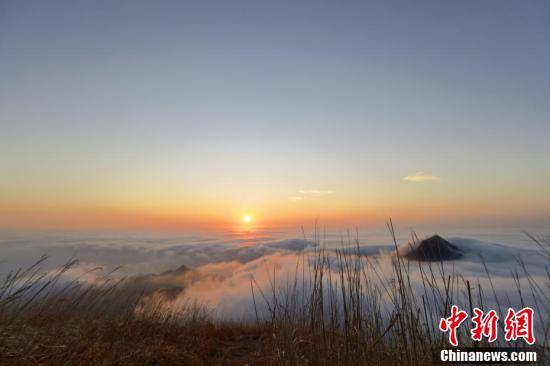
point(196, 135)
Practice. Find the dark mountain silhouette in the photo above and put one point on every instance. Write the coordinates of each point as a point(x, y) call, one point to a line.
point(165, 283)
point(175, 272)
point(434, 249)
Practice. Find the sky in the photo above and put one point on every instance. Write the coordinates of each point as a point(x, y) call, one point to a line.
point(175, 115)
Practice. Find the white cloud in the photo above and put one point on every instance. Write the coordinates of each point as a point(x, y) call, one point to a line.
point(226, 286)
point(420, 177)
point(311, 193)
point(315, 192)
point(296, 198)
point(222, 270)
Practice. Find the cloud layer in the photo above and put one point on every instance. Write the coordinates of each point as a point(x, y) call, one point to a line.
point(226, 286)
point(421, 177)
point(220, 272)
point(311, 193)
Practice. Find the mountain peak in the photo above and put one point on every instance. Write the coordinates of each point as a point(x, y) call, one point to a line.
point(434, 249)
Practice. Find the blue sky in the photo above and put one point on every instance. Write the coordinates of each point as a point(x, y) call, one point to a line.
point(153, 106)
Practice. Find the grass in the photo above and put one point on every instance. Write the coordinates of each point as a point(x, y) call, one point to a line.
point(349, 311)
point(337, 308)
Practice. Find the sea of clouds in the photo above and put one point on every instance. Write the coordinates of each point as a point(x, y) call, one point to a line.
point(219, 269)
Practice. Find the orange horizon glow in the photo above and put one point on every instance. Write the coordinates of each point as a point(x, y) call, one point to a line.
point(173, 208)
point(74, 217)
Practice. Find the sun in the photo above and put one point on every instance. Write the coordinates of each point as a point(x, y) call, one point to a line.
point(247, 219)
